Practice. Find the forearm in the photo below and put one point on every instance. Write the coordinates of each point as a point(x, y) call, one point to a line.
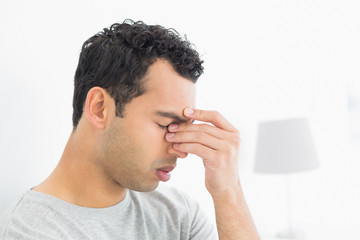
point(233, 218)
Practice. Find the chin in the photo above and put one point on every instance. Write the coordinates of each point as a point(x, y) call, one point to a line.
point(147, 188)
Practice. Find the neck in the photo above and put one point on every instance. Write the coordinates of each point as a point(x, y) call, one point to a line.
point(77, 178)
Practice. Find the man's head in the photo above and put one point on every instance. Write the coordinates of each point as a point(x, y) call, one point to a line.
point(133, 80)
point(117, 59)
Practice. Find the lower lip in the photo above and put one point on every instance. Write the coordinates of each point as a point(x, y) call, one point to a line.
point(163, 175)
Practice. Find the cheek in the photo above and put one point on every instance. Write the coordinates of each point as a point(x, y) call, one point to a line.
point(151, 138)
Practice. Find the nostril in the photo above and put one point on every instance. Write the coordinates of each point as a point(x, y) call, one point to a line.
point(176, 152)
point(173, 152)
point(183, 155)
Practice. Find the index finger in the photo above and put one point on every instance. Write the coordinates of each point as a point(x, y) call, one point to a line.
point(212, 117)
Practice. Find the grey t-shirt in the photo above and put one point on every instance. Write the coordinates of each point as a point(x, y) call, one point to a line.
point(162, 214)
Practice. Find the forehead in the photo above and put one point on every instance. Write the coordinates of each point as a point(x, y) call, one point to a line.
point(166, 90)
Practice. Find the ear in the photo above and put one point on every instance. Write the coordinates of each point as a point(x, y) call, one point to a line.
point(99, 107)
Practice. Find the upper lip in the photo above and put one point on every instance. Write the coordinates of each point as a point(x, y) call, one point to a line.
point(166, 168)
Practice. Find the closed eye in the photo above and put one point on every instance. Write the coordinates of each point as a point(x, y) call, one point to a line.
point(163, 126)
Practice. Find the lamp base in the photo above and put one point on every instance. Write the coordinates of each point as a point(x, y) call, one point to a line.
point(291, 234)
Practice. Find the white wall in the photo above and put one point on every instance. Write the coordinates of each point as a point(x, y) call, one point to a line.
point(264, 60)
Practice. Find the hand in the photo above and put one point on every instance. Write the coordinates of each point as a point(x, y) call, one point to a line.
point(217, 144)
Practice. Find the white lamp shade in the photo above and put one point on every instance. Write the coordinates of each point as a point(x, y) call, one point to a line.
point(285, 146)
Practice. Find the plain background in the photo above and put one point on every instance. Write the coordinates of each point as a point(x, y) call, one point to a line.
point(264, 60)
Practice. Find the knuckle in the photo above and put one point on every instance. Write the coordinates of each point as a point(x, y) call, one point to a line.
point(236, 131)
point(217, 116)
point(228, 149)
point(216, 113)
point(237, 140)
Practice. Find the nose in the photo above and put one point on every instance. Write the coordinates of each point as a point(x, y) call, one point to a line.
point(176, 153)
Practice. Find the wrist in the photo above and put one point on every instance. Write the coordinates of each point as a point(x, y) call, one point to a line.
point(233, 218)
point(229, 194)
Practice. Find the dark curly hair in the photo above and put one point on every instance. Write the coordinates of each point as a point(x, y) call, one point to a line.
point(118, 57)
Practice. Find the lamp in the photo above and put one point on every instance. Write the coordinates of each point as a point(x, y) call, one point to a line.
point(284, 147)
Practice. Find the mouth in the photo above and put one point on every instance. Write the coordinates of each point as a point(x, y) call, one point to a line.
point(164, 173)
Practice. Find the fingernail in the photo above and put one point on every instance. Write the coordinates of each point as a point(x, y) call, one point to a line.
point(188, 111)
point(170, 135)
point(173, 126)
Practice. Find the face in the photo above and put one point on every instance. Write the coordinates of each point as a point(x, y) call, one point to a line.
point(136, 153)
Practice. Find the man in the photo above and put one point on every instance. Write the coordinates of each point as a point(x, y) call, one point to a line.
point(134, 105)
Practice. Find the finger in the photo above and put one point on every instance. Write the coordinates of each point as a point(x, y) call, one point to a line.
point(213, 117)
point(197, 149)
point(195, 137)
point(205, 128)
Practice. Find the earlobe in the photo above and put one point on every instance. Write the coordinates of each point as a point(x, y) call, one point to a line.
point(96, 107)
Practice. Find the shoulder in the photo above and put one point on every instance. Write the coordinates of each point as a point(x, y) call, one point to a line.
point(29, 204)
point(26, 216)
point(12, 214)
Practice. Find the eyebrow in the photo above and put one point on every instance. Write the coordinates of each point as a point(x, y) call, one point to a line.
point(174, 116)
